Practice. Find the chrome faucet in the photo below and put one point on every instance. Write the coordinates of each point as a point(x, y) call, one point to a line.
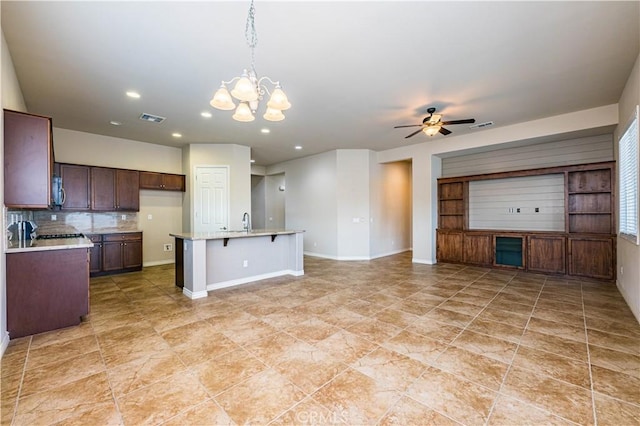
point(246, 222)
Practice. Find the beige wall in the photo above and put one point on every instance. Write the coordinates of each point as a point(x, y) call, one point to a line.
point(628, 253)
point(160, 211)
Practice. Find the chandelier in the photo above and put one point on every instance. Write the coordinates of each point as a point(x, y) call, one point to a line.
point(249, 90)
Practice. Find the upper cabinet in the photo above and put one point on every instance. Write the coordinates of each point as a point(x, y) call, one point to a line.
point(75, 184)
point(162, 181)
point(114, 189)
point(28, 160)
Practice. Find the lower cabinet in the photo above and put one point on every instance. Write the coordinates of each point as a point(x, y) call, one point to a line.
point(592, 257)
point(546, 254)
point(46, 290)
point(478, 249)
point(449, 246)
point(116, 253)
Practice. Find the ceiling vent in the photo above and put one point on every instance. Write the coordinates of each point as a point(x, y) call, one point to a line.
point(151, 118)
point(480, 125)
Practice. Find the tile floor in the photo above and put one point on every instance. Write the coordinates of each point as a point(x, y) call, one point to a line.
point(382, 342)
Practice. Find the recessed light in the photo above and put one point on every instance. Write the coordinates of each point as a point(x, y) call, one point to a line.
point(134, 95)
point(176, 135)
point(298, 147)
point(115, 123)
point(265, 131)
point(206, 114)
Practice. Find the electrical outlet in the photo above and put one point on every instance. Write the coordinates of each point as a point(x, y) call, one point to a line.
point(518, 210)
point(124, 217)
point(149, 217)
point(245, 263)
point(168, 247)
point(54, 217)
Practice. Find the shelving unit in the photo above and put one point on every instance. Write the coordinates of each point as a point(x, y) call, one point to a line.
point(451, 209)
point(590, 201)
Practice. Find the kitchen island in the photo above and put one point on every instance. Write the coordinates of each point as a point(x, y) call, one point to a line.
point(210, 261)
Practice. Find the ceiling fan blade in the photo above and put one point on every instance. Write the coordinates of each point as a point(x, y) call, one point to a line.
point(413, 134)
point(407, 125)
point(444, 131)
point(468, 120)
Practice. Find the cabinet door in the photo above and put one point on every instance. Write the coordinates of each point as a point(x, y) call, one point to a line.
point(111, 255)
point(75, 181)
point(173, 182)
point(478, 249)
point(449, 247)
point(131, 253)
point(95, 254)
point(127, 190)
point(28, 160)
point(103, 194)
point(592, 257)
point(546, 254)
point(150, 180)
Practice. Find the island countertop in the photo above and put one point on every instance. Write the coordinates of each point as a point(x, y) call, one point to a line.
point(220, 235)
point(15, 246)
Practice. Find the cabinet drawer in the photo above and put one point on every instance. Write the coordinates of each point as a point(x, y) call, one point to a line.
point(133, 236)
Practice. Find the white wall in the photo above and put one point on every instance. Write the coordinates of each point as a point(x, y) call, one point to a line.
point(238, 158)
point(628, 254)
point(275, 202)
point(311, 201)
point(165, 207)
point(258, 200)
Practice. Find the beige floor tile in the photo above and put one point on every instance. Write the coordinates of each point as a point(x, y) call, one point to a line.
point(220, 373)
point(355, 398)
point(610, 411)
point(260, 399)
point(69, 400)
point(557, 329)
point(374, 330)
point(307, 412)
point(622, 362)
point(103, 324)
point(497, 329)
point(552, 365)
point(312, 330)
point(162, 400)
point(560, 398)
point(557, 345)
point(197, 342)
point(52, 375)
point(615, 384)
point(206, 413)
point(125, 334)
point(435, 330)
point(492, 347)
point(141, 372)
point(248, 332)
point(500, 315)
point(416, 346)
point(614, 327)
point(392, 369)
point(270, 349)
point(61, 335)
point(410, 412)
point(104, 414)
point(509, 412)
point(13, 362)
point(345, 346)
point(308, 367)
point(396, 317)
point(59, 351)
point(454, 397)
point(479, 369)
point(9, 387)
point(614, 341)
point(138, 348)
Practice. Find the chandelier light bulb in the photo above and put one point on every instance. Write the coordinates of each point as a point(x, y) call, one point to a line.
point(278, 100)
point(431, 130)
point(243, 113)
point(273, 114)
point(222, 99)
point(245, 90)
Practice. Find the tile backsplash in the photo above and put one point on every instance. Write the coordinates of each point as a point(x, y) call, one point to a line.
point(71, 222)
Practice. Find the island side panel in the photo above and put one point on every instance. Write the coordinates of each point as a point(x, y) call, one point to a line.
point(296, 257)
point(195, 268)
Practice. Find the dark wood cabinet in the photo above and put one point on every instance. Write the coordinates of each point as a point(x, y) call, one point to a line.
point(95, 254)
point(592, 257)
point(75, 184)
point(28, 160)
point(53, 295)
point(122, 252)
point(546, 254)
point(590, 201)
point(451, 207)
point(162, 181)
point(449, 247)
point(478, 249)
point(114, 189)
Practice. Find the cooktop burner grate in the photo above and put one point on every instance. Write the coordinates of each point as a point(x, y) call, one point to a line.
point(53, 236)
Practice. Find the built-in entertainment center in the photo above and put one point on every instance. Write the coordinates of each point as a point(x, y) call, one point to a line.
point(553, 220)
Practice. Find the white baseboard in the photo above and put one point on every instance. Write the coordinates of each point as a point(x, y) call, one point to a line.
point(245, 280)
point(192, 295)
point(635, 310)
point(348, 258)
point(4, 343)
point(423, 261)
point(158, 262)
point(390, 253)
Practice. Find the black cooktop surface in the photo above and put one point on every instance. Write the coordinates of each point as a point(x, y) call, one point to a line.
point(53, 236)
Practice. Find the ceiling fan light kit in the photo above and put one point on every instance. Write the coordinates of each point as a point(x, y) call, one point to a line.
point(432, 124)
point(249, 89)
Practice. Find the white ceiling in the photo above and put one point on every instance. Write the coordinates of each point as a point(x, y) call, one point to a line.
point(352, 70)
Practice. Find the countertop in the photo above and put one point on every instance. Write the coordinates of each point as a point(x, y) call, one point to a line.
point(232, 234)
point(50, 244)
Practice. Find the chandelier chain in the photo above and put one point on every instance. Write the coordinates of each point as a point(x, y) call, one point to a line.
point(250, 33)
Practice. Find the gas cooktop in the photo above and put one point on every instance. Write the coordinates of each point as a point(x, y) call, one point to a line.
point(54, 236)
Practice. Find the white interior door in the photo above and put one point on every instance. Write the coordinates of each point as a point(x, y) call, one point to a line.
point(211, 203)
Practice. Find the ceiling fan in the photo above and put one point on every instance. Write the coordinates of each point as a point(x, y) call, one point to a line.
point(432, 124)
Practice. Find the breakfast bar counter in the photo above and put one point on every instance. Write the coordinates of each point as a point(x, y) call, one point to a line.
point(210, 261)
